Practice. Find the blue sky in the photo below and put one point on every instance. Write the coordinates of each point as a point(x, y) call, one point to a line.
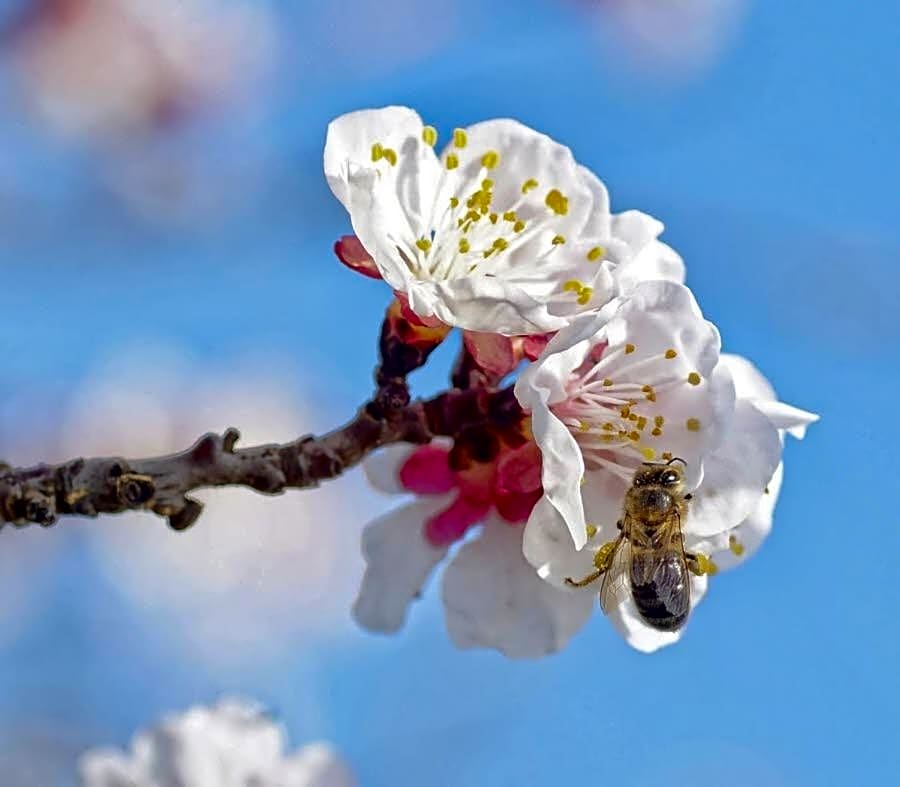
point(775, 171)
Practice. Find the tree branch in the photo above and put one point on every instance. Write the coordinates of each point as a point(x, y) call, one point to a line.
point(110, 485)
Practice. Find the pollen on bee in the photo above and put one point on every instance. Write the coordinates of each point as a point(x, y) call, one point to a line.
point(557, 202)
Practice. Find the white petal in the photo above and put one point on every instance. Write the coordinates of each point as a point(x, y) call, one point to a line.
point(350, 137)
point(656, 260)
point(735, 474)
point(315, 765)
point(495, 599)
point(749, 382)
point(783, 416)
point(639, 635)
point(107, 768)
point(547, 545)
point(383, 467)
point(398, 562)
point(734, 547)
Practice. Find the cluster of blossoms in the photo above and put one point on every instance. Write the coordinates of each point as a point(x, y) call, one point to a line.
point(232, 744)
point(506, 237)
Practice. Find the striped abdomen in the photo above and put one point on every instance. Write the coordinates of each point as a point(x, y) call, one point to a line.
point(661, 588)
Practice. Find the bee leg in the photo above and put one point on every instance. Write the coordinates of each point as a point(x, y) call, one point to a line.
point(700, 564)
point(580, 583)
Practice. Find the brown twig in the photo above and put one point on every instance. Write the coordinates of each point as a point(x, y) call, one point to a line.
point(109, 485)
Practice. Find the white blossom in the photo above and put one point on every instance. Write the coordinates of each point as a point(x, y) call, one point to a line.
point(232, 744)
point(502, 232)
point(492, 596)
point(643, 381)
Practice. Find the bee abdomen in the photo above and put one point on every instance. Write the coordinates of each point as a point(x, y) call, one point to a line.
point(665, 601)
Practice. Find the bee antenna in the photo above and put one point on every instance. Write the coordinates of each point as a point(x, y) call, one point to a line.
point(676, 459)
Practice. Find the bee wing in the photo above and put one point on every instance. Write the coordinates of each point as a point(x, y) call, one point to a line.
point(616, 586)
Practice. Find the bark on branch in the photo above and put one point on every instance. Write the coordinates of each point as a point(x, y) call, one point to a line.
point(163, 484)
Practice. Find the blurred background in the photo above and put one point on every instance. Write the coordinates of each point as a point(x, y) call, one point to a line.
point(166, 269)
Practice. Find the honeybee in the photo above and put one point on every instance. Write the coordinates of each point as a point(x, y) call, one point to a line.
point(648, 557)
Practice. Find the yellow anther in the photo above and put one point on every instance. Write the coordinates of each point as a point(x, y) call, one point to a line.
point(510, 215)
point(609, 427)
point(607, 382)
point(484, 210)
point(604, 555)
point(646, 388)
point(464, 246)
point(573, 285)
point(633, 417)
point(584, 426)
point(460, 139)
point(487, 184)
point(452, 161)
point(648, 453)
point(472, 267)
point(670, 354)
point(586, 294)
point(500, 244)
point(557, 202)
point(659, 420)
point(656, 431)
point(694, 378)
point(429, 135)
point(424, 244)
point(582, 481)
point(641, 422)
point(490, 159)
point(591, 530)
point(634, 436)
point(735, 546)
point(528, 185)
point(692, 424)
point(472, 215)
point(390, 155)
point(629, 348)
point(625, 411)
point(454, 202)
point(493, 217)
point(608, 438)
point(667, 455)
point(558, 240)
point(377, 152)
point(518, 226)
point(596, 253)
point(651, 397)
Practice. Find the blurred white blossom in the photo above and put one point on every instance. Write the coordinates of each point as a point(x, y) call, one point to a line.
point(254, 571)
point(666, 37)
point(115, 68)
point(232, 744)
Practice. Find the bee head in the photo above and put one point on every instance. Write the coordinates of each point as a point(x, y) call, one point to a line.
point(654, 490)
